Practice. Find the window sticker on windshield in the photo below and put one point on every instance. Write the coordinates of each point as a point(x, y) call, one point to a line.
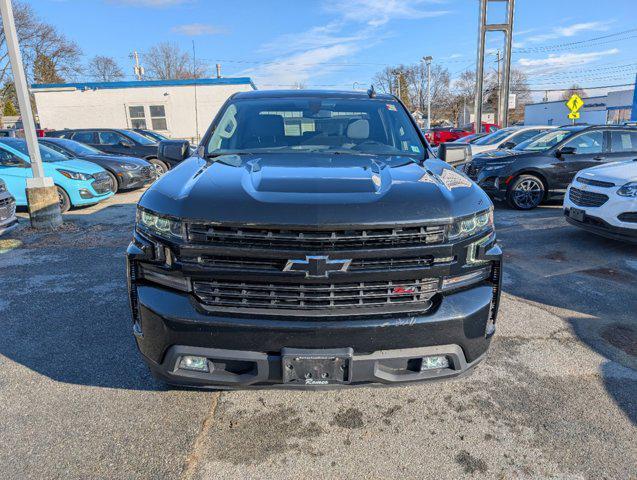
point(415, 149)
point(391, 107)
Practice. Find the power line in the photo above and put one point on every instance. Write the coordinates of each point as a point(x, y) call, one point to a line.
point(568, 45)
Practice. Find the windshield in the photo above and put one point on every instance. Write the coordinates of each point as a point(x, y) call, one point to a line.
point(77, 148)
point(142, 140)
point(494, 137)
point(329, 125)
point(543, 141)
point(47, 154)
point(154, 136)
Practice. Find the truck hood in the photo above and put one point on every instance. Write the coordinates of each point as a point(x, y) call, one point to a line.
point(314, 189)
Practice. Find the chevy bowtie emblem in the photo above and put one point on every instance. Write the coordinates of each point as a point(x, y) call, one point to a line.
point(317, 266)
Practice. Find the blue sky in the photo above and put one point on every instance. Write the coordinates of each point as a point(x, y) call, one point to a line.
point(336, 43)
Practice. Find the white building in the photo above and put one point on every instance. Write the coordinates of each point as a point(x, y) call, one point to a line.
point(166, 106)
point(614, 108)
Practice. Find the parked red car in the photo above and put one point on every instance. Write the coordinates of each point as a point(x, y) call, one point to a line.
point(439, 135)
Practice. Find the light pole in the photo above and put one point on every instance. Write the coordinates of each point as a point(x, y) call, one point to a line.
point(428, 60)
point(42, 195)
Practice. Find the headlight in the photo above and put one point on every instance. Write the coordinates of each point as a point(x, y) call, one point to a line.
point(3, 187)
point(128, 166)
point(469, 226)
point(160, 226)
point(496, 166)
point(75, 175)
point(628, 190)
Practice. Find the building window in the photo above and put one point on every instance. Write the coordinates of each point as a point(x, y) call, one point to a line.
point(158, 117)
point(137, 116)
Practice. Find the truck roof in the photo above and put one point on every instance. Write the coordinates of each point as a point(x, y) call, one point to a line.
point(309, 93)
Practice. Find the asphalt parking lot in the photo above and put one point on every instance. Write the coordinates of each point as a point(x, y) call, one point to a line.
point(556, 397)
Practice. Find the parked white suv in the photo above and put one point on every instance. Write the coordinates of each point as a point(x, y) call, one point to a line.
point(603, 200)
point(506, 138)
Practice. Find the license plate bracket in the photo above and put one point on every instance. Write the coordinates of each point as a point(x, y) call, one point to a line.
point(577, 214)
point(316, 367)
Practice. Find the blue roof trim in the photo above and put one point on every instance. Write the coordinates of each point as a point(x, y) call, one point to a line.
point(148, 83)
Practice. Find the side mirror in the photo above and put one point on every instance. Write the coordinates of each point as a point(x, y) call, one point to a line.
point(125, 144)
point(173, 151)
point(565, 151)
point(506, 145)
point(454, 153)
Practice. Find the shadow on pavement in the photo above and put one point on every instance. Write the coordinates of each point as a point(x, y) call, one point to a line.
point(63, 305)
point(554, 264)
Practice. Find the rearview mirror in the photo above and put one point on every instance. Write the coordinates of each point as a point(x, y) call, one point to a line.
point(454, 153)
point(565, 151)
point(174, 150)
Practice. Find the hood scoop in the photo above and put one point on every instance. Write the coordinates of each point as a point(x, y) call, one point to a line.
point(320, 177)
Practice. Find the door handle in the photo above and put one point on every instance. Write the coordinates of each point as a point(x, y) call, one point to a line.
point(599, 158)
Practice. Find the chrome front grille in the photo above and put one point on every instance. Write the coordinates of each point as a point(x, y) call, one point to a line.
point(582, 198)
point(102, 183)
point(417, 293)
point(309, 240)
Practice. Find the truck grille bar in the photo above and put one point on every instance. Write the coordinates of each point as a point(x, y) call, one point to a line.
point(311, 296)
point(312, 240)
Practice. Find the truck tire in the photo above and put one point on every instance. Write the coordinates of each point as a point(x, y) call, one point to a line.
point(526, 192)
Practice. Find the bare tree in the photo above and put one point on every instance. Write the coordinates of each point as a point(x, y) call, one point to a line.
point(104, 69)
point(45, 51)
point(574, 90)
point(166, 61)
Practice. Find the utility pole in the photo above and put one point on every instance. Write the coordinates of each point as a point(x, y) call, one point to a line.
point(498, 59)
point(138, 69)
point(42, 194)
point(194, 76)
point(507, 29)
point(428, 60)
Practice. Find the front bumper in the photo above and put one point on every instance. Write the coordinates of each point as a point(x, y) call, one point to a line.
point(604, 220)
point(169, 324)
point(136, 178)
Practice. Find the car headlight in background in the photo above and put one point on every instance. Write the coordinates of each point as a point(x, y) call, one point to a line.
point(628, 190)
point(161, 226)
point(469, 226)
point(128, 166)
point(496, 166)
point(75, 175)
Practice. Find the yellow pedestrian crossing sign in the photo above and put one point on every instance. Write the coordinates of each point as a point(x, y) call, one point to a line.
point(574, 104)
point(573, 115)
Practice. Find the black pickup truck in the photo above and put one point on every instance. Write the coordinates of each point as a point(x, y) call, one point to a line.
point(312, 240)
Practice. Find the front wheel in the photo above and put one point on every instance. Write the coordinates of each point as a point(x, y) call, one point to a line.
point(160, 167)
point(63, 200)
point(114, 183)
point(526, 192)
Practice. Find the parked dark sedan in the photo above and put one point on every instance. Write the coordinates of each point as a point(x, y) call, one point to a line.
point(125, 172)
point(542, 167)
point(118, 142)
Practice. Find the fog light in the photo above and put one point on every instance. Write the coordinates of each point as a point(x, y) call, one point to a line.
point(191, 362)
point(436, 361)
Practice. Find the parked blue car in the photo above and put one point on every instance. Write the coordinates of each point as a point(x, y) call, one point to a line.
point(78, 182)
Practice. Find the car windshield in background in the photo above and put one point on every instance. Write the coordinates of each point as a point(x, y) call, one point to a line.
point(47, 154)
point(142, 140)
point(543, 141)
point(77, 147)
point(329, 125)
point(494, 137)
